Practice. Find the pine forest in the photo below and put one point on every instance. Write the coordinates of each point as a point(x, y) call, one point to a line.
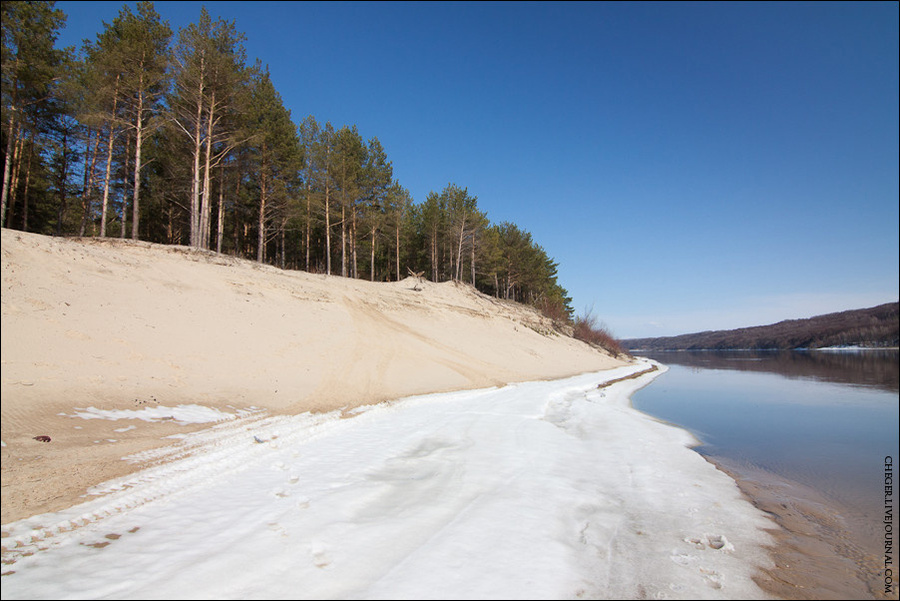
point(179, 138)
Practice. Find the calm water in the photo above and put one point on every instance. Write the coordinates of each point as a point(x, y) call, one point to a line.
point(823, 419)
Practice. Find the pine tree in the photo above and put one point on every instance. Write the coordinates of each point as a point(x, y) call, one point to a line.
point(30, 68)
point(309, 137)
point(144, 50)
point(102, 106)
point(463, 218)
point(431, 216)
point(325, 153)
point(277, 155)
point(209, 79)
point(377, 178)
point(398, 206)
point(349, 162)
point(64, 136)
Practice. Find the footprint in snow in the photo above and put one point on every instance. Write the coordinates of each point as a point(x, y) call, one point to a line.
point(320, 557)
point(716, 542)
point(683, 559)
point(711, 578)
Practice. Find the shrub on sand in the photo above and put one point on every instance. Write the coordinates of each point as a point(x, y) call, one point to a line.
point(587, 329)
point(556, 310)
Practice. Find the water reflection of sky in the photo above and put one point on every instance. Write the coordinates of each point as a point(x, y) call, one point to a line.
point(831, 436)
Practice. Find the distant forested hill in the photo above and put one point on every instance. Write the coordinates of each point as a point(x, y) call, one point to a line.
point(875, 327)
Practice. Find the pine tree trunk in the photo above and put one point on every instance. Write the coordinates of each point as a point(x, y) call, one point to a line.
point(139, 131)
point(462, 231)
point(7, 164)
point(372, 270)
point(261, 240)
point(125, 187)
point(235, 235)
point(353, 248)
point(90, 175)
point(109, 152)
point(17, 167)
point(283, 246)
point(220, 226)
point(473, 260)
point(308, 222)
point(25, 190)
point(64, 172)
point(343, 239)
point(205, 208)
point(452, 271)
point(85, 183)
point(195, 175)
point(106, 178)
point(327, 231)
point(434, 271)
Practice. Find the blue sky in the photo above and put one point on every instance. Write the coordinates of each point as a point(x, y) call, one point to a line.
point(691, 166)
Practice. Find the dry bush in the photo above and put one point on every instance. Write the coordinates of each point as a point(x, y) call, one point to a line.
point(555, 310)
point(589, 330)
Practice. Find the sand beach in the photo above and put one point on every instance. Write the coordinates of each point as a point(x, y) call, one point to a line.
point(121, 325)
point(132, 358)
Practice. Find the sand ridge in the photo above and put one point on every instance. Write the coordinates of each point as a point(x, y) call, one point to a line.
point(117, 324)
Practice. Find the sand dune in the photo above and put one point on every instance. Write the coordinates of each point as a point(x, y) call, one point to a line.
point(115, 324)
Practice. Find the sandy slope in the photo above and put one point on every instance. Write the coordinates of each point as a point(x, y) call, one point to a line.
point(124, 325)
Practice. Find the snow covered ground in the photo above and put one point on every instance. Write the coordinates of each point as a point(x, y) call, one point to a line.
point(537, 490)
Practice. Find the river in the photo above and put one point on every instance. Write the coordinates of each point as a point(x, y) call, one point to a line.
point(807, 435)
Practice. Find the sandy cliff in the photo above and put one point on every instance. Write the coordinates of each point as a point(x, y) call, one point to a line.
point(125, 325)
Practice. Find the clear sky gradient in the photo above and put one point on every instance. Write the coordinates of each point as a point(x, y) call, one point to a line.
point(691, 166)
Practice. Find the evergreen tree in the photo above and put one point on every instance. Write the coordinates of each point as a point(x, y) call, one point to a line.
point(398, 204)
point(30, 69)
point(463, 219)
point(143, 41)
point(309, 140)
point(276, 156)
point(103, 107)
point(209, 77)
point(349, 161)
point(377, 181)
point(432, 217)
point(325, 153)
point(64, 136)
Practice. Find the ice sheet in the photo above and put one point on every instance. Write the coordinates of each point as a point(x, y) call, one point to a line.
point(537, 490)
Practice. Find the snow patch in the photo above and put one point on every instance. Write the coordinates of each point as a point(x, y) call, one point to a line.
point(538, 490)
point(181, 414)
